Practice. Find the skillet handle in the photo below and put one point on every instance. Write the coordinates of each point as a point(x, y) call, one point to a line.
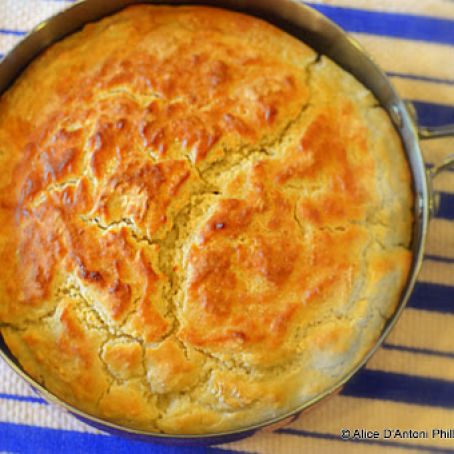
point(431, 174)
point(427, 133)
point(435, 132)
point(447, 163)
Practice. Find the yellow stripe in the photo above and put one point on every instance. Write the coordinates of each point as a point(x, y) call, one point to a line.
point(444, 181)
point(436, 150)
point(440, 240)
point(406, 56)
point(341, 411)
point(437, 273)
point(412, 364)
point(289, 444)
point(425, 91)
point(434, 8)
point(338, 412)
point(423, 329)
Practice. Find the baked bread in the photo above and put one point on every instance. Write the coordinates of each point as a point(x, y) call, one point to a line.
point(203, 223)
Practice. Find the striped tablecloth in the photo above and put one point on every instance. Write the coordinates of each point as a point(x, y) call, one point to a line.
point(409, 383)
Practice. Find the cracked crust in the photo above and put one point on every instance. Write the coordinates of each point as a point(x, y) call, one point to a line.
point(202, 223)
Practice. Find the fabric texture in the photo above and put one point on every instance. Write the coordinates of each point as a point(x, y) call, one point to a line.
point(408, 385)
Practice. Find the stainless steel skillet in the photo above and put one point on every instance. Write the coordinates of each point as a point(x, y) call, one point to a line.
point(326, 38)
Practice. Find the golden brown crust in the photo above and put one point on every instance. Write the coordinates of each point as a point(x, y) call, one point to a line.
point(198, 220)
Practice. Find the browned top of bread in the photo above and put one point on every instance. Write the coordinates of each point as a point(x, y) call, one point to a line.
point(202, 224)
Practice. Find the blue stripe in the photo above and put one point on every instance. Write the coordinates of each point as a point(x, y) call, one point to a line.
point(431, 114)
point(389, 444)
point(37, 440)
point(437, 258)
point(434, 80)
point(446, 208)
point(421, 351)
point(432, 297)
point(32, 399)
point(375, 384)
point(396, 25)
point(7, 31)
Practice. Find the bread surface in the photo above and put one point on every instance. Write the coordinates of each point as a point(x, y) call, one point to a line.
point(203, 223)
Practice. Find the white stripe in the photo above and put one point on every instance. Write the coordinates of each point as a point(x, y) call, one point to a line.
point(23, 15)
point(40, 416)
point(7, 42)
point(26, 14)
point(434, 8)
point(10, 383)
